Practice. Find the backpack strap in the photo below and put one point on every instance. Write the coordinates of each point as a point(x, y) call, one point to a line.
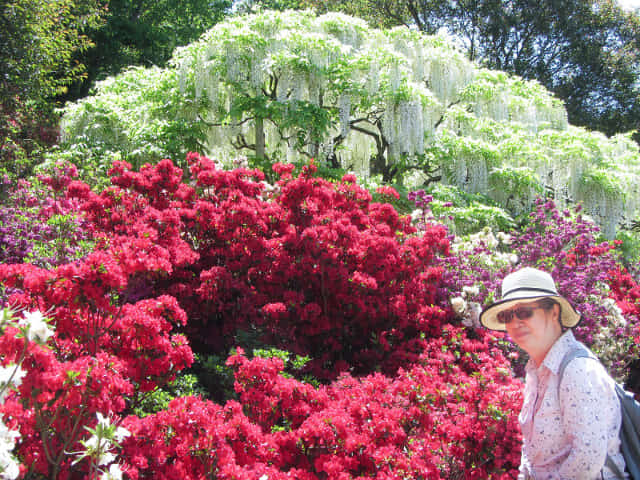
point(584, 352)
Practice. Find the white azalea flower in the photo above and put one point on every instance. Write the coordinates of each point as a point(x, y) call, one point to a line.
point(120, 434)
point(37, 328)
point(102, 420)
point(114, 473)
point(458, 304)
point(7, 438)
point(504, 238)
point(470, 291)
point(9, 468)
point(91, 444)
point(106, 457)
point(11, 372)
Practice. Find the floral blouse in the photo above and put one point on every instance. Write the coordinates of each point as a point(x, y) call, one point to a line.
point(567, 438)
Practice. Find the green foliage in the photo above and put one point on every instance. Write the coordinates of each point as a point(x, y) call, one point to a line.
point(26, 131)
point(145, 32)
point(214, 375)
point(630, 249)
point(158, 399)
point(247, 6)
point(93, 163)
point(466, 213)
point(294, 364)
point(39, 39)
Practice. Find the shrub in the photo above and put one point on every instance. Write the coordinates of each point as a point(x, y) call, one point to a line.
point(240, 254)
point(315, 267)
point(563, 243)
point(452, 415)
point(40, 227)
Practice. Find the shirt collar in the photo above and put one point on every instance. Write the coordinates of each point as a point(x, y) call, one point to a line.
point(556, 353)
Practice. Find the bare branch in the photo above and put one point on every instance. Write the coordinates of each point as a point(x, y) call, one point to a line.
point(241, 142)
point(210, 124)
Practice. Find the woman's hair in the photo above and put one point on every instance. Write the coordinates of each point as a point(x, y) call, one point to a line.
point(548, 303)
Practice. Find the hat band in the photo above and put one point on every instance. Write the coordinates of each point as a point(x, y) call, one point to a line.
point(550, 292)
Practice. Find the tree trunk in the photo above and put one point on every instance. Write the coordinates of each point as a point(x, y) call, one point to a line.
point(260, 137)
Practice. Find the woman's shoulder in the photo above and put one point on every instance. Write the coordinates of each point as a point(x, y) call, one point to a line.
point(586, 373)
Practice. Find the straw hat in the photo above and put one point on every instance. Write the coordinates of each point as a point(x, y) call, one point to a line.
point(528, 284)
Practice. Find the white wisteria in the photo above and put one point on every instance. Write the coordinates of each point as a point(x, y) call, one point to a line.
point(291, 85)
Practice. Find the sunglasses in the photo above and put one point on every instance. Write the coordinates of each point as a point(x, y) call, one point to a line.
point(521, 313)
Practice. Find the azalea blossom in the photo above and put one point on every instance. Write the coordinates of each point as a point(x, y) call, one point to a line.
point(9, 467)
point(37, 328)
point(114, 473)
point(12, 373)
point(458, 304)
point(470, 291)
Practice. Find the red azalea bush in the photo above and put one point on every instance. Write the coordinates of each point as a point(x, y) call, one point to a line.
point(316, 267)
point(452, 415)
point(103, 359)
point(625, 290)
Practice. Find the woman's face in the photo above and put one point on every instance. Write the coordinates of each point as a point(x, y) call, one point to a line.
point(532, 327)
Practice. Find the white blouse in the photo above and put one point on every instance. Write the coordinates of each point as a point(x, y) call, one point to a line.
point(568, 438)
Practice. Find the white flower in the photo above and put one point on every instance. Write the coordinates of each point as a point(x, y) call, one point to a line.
point(120, 434)
point(470, 291)
point(504, 238)
point(513, 258)
point(91, 444)
point(10, 371)
point(37, 328)
point(106, 457)
point(264, 477)
point(102, 420)
point(9, 468)
point(7, 438)
point(114, 473)
point(416, 215)
point(458, 304)
point(474, 314)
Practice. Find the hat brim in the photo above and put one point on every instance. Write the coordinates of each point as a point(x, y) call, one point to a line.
point(569, 317)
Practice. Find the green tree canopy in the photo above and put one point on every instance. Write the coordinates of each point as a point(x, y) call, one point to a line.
point(38, 41)
point(145, 32)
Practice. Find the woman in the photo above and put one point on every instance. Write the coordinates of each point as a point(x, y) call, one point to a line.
point(570, 428)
